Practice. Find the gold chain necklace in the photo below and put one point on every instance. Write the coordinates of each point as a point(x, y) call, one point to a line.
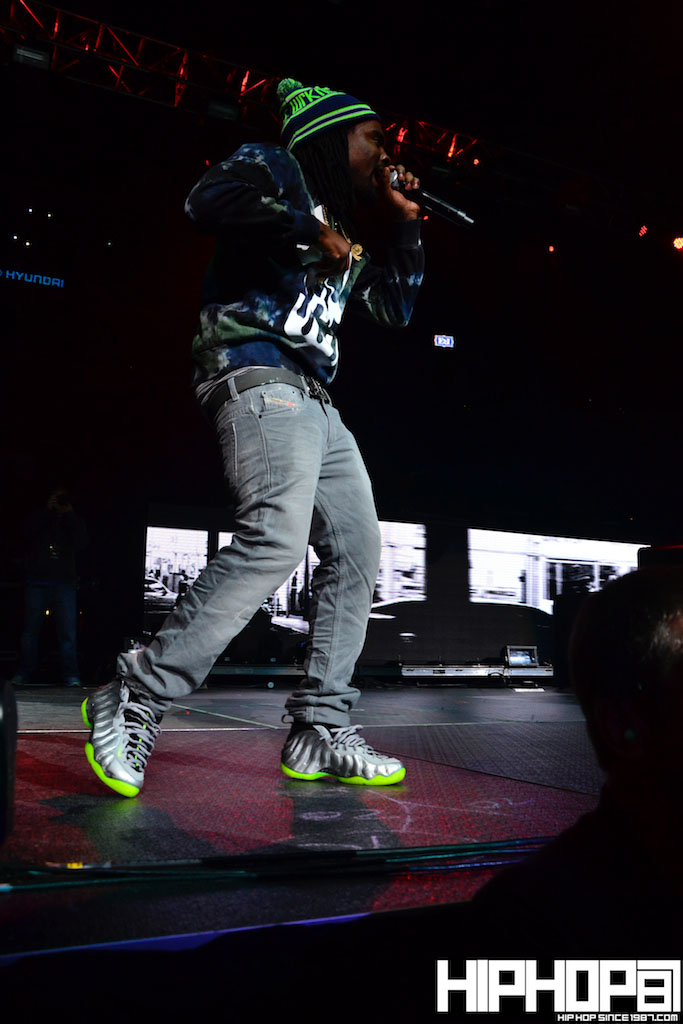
point(356, 247)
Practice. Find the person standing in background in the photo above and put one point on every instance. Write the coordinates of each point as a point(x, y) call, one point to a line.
point(54, 536)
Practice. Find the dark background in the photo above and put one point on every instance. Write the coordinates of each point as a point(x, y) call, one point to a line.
point(558, 409)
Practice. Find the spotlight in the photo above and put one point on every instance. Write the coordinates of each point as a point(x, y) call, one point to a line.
point(678, 243)
point(31, 56)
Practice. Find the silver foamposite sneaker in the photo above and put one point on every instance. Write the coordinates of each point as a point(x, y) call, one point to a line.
point(317, 751)
point(122, 737)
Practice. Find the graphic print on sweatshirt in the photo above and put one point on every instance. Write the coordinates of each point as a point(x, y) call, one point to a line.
point(316, 313)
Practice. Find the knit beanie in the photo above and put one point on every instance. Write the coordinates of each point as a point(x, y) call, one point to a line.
point(310, 110)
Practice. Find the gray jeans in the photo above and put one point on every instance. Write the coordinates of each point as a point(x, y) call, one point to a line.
point(295, 474)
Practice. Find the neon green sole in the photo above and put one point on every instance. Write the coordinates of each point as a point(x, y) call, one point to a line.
point(379, 780)
point(122, 788)
point(355, 780)
point(302, 775)
point(84, 712)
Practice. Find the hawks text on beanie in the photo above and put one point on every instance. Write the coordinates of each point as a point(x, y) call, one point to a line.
point(309, 110)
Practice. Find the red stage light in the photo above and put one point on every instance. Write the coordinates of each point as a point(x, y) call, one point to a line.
point(476, 161)
point(678, 243)
point(551, 248)
point(643, 230)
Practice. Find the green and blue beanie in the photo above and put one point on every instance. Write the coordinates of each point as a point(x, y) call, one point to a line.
point(311, 110)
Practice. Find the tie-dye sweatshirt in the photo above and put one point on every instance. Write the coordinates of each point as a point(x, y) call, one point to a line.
point(263, 304)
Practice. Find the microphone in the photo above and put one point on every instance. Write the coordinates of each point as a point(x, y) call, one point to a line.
point(430, 202)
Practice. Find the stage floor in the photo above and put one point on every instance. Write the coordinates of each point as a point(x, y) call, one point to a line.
point(483, 766)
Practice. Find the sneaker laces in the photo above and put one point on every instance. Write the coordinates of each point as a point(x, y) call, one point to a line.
point(347, 736)
point(142, 730)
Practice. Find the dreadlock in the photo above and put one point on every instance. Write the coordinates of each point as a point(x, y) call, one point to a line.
point(324, 160)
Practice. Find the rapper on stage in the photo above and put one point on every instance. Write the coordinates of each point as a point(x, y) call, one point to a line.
point(288, 260)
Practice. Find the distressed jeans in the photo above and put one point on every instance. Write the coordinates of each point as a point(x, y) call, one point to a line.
point(296, 475)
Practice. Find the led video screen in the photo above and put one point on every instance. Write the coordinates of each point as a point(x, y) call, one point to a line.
point(401, 577)
point(532, 570)
point(173, 560)
point(175, 557)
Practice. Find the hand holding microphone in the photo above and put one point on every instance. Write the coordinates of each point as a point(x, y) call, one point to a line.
point(398, 185)
point(409, 183)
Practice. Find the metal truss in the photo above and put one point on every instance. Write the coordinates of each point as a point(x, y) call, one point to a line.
point(126, 62)
point(413, 135)
point(202, 85)
point(132, 64)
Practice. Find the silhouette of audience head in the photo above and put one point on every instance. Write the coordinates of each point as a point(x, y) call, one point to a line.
point(610, 885)
point(626, 664)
